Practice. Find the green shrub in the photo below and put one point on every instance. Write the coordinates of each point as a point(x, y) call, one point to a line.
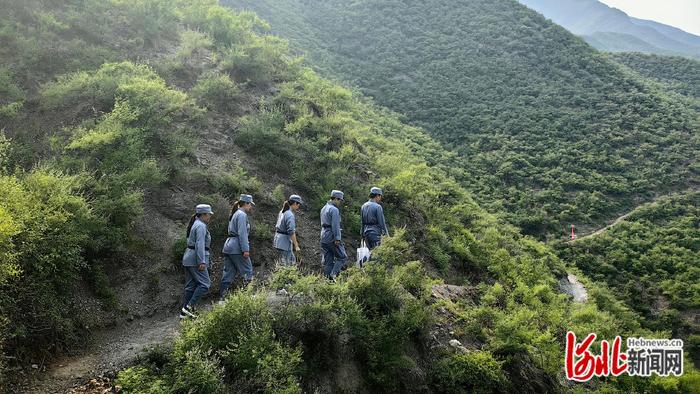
point(178, 249)
point(198, 373)
point(216, 91)
point(11, 110)
point(278, 194)
point(413, 278)
point(138, 126)
point(262, 135)
point(393, 251)
point(45, 228)
point(262, 233)
point(241, 315)
point(194, 44)
point(96, 89)
point(11, 96)
point(495, 296)
point(97, 277)
point(391, 319)
point(240, 334)
point(234, 181)
point(140, 380)
point(259, 363)
point(472, 372)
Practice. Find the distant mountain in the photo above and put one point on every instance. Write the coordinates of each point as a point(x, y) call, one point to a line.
point(612, 30)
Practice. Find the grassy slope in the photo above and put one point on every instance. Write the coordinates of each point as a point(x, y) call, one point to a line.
point(547, 129)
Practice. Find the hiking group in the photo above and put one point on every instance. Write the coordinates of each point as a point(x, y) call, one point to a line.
point(236, 250)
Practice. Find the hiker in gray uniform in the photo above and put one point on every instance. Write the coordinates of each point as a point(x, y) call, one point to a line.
point(334, 256)
point(237, 248)
point(285, 231)
point(373, 223)
point(196, 260)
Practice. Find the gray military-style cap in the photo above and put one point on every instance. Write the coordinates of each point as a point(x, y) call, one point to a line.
point(295, 198)
point(246, 198)
point(203, 208)
point(337, 194)
point(376, 190)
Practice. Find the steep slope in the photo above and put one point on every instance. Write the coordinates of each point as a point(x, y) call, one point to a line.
point(546, 129)
point(610, 29)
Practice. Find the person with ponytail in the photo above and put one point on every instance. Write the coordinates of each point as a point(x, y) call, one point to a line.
point(285, 231)
point(196, 260)
point(237, 247)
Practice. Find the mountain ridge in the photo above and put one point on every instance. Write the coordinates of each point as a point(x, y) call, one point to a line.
point(608, 28)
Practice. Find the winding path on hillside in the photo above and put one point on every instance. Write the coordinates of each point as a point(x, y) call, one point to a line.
point(626, 215)
point(609, 226)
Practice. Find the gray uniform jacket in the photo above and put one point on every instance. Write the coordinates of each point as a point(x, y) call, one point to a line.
point(330, 224)
point(198, 244)
point(238, 230)
point(373, 219)
point(284, 229)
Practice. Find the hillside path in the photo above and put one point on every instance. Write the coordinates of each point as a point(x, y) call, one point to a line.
point(626, 215)
point(606, 228)
point(110, 350)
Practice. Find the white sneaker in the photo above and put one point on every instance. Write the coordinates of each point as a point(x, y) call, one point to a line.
point(187, 311)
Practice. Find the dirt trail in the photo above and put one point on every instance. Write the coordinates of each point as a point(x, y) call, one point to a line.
point(606, 228)
point(110, 350)
point(626, 215)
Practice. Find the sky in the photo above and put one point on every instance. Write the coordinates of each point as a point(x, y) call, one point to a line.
point(683, 14)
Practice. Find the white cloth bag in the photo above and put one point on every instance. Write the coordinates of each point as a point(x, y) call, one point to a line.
point(363, 254)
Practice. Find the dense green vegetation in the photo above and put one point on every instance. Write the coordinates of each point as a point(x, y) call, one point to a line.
point(652, 259)
point(680, 74)
point(546, 128)
point(136, 87)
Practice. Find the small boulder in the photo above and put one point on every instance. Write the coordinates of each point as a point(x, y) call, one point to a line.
point(451, 292)
point(457, 346)
point(570, 285)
